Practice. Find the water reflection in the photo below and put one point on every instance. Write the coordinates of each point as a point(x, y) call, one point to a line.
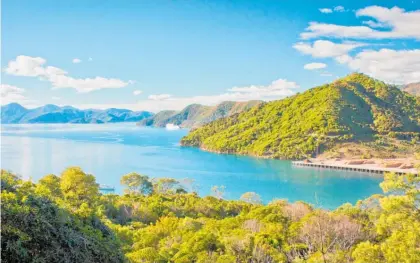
point(109, 151)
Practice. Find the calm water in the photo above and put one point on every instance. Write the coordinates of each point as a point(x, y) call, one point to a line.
point(112, 150)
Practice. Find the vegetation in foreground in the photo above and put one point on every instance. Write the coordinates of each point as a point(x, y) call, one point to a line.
point(356, 109)
point(65, 219)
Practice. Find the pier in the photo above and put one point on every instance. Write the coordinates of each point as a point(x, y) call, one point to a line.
point(355, 168)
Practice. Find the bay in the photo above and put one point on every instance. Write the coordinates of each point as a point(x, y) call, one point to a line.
point(111, 150)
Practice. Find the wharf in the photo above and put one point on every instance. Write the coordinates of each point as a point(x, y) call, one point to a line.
point(355, 168)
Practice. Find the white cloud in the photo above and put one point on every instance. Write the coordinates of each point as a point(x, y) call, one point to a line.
point(26, 66)
point(313, 66)
point(339, 9)
point(159, 96)
point(11, 93)
point(76, 60)
point(392, 66)
point(335, 9)
point(325, 10)
point(90, 59)
point(325, 48)
point(137, 92)
point(280, 87)
point(401, 24)
point(35, 67)
point(55, 98)
point(87, 84)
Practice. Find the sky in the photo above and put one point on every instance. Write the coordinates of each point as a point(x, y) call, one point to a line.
point(164, 55)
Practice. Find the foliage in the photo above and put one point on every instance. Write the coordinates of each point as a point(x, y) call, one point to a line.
point(353, 109)
point(36, 229)
point(171, 225)
point(137, 184)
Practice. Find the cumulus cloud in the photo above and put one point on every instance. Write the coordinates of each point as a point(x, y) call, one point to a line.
point(76, 60)
point(401, 24)
point(313, 66)
point(35, 67)
point(392, 66)
point(325, 10)
point(26, 66)
point(11, 93)
point(325, 48)
point(137, 92)
point(159, 96)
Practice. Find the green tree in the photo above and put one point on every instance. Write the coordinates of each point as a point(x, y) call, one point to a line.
point(137, 184)
point(251, 197)
point(49, 186)
point(167, 186)
point(218, 191)
point(78, 187)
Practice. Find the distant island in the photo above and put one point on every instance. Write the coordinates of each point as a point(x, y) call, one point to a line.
point(196, 115)
point(353, 117)
point(16, 113)
point(412, 88)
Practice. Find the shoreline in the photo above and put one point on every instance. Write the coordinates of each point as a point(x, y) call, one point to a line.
point(374, 165)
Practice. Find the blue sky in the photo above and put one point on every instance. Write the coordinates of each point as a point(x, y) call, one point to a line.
point(156, 55)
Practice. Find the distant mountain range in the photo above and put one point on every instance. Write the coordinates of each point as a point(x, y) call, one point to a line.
point(355, 109)
point(16, 113)
point(412, 88)
point(196, 115)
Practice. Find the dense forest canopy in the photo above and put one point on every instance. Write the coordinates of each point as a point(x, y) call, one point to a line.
point(356, 109)
point(66, 219)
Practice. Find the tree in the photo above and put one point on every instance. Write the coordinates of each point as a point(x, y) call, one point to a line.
point(218, 191)
point(37, 229)
point(137, 184)
point(326, 233)
point(167, 186)
point(49, 186)
point(251, 197)
point(78, 187)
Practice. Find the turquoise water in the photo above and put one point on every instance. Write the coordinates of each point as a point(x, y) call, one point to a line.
point(111, 150)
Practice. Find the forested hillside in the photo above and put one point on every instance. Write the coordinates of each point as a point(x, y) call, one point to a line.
point(65, 219)
point(356, 109)
point(196, 115)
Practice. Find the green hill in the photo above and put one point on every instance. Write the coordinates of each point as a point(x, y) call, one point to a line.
point(196, 115)
point(355, 109)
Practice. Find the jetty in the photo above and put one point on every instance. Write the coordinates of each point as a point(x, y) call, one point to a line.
point(354, 168)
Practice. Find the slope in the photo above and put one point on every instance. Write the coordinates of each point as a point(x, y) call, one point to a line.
point(355, 108)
